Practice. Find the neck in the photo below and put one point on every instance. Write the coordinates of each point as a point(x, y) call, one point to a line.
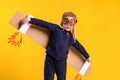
point(63, 28)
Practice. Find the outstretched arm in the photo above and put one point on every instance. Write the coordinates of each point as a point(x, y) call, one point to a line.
point(80, 48)
point(38, 22)
point(43, 23)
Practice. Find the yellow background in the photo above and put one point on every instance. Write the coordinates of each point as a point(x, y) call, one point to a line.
point(98, 29)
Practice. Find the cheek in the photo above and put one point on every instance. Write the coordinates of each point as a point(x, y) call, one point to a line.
point(72, 27)
point(64, 26)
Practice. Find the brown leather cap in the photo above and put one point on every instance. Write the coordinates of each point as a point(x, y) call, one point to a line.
point(69, 14)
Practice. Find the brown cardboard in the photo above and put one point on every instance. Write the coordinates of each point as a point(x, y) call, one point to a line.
point(41, 36)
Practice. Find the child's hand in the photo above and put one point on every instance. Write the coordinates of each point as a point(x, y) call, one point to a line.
point(89, 60)
point(24, 20)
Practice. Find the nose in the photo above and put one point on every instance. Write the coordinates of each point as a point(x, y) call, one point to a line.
point(68, 24)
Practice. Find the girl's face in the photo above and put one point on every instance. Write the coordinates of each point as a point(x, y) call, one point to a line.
point(68, 23)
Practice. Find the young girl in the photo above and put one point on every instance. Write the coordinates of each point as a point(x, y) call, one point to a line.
point(59, 43)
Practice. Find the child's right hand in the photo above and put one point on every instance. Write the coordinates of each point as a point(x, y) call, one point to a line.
point(24, 20)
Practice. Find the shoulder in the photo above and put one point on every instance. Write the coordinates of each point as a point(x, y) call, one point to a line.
point(57, 26)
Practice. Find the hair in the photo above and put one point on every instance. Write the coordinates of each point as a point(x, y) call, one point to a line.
point(71, 14)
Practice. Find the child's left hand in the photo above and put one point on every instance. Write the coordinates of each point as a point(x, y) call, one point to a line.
point(89, 60)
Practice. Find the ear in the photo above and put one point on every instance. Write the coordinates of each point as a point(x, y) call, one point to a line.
point(76, 21)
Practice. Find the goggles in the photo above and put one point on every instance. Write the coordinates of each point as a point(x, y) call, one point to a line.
point(71, 22)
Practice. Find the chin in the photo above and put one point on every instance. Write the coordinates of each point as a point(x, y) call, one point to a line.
point(67, 29)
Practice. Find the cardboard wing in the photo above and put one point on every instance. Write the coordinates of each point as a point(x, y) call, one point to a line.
point(41, 36)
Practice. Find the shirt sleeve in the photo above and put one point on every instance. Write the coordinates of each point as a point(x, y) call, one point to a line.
point(43, 23)
point(80, 48)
